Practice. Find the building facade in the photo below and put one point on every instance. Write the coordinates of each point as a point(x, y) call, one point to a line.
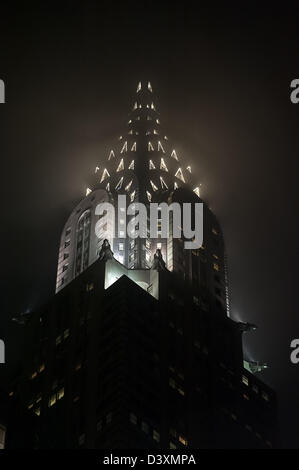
point(132, 352)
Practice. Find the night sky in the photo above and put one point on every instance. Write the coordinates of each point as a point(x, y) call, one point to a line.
point(222, 77)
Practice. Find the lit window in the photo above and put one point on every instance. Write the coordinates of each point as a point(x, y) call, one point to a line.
point(121, 234)
point(149, 196)
point(37, 411)
point(215, 256)
point(132, 244)
point(159, 246)
point(66, 333)
point(88, 191)
point(133, 148)
point(127, 188)
point(132, 196)
point(151, 165)
point(216, 266)
point(214, 231)
point(33, 375)
point(153, 186)
point(156, 436)
point(120, 246)
point(60, 394)
point(163, 184)
point(119, 184)
point(121, 165)
point(149, 86)
point(124, 147)
point(104, 175)
point(111, 155)
point(160, 147)
point(41, 368)
point(265, 396)
point(2, 436)
point(183, 440)
point(150, 147)
point(189, 169)
point(148, 256)
point(197, 191)
point(245, 380)
point(58, 340)
point(131, 166)
point(163, 165)
point(179, 175)
point(52, 400)
point(174, 155)
point(133, 418)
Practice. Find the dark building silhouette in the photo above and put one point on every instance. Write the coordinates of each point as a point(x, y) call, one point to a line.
point(137, 349)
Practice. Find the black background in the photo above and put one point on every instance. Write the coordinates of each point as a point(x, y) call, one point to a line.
point(222, 76)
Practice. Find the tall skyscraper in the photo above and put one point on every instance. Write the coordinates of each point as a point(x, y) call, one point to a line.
point(137, 348)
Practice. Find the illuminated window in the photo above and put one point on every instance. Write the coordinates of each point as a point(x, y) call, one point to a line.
point(149, 87)
point(265, 396)
point(111, 155)
point(159, 246)
point(135, 105)
point(119, 184)
point(88, 191)
point(66, 332)
point(122, 234)
point(245, 380)
point(163, 165)
point(132, 244)
point(37, 411)
point(41, 368)
point(188, 169)
point(163, 184)
point(139, 87)
point(52, 400)
point(127, 188)
point(33, 375)
point(58, 340)
point(108, 187)
point(174, 155)
point(160, 147)
point(153, 107)
point(104, 175)
point(156, 436)
point(132, 196)
point(121, 165)
point(149, 196)
point(147, 256)
point(214, 231)
point(133, 418)
point(124, 147)
point(179, 175)
point(216, 266)
point(150, 147)
point(131, 166)
point(133, 148)
point(120, 246)
point(183, 440)
point(151, 165)
point(60, 393)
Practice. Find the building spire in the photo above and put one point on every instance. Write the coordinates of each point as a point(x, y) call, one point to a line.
point(143, 158)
